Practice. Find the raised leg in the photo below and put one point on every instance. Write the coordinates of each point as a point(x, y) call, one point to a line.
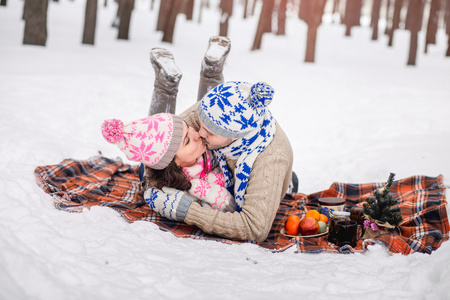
point(212, 64)
point(167, 79)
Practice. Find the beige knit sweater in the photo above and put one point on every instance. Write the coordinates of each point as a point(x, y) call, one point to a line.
point(267, 185)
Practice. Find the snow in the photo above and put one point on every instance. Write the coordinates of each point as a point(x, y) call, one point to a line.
point(355, 115)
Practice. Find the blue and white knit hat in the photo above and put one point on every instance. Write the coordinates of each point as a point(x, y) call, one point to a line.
point(232, 109)
point(238, 110)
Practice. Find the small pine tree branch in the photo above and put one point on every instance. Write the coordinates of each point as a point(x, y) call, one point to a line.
point(379, 206)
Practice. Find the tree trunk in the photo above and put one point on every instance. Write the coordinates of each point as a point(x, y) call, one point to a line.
point(395, 20)
point(433, 21)
point(448, 46)
point(163, 14)
point(352, 15)
point(264, 22)
point(188, 9)
point(413, 48)
point(167, 79)
point(281, 28)
point(311, 11)
point(226, 7)
point(245, 9)
point(336, 6)
point(388, 17)
point(90, 20)
point(414, 24)
point(447, 25)
point(35, 15)
point(170, 26)
point(311, 43)
point(254, 6)
point(375, 17)
point(125, 18)
point(336, 9)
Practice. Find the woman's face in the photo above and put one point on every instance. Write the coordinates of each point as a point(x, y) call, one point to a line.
point(191, 147)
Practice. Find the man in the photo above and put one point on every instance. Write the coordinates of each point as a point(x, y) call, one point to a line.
point(254, 154)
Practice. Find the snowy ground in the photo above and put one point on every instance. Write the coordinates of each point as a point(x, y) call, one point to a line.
point(355, 115)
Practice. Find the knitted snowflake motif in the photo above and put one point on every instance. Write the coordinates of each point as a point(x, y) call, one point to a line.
point(142, 152)
point(202, 188)
point(220, 96)
point(219, 179)
point(153, 122)
point(153, 196)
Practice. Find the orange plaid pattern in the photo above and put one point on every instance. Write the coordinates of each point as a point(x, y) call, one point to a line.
point(75, 184)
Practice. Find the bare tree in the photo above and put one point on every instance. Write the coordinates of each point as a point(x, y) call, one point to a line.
point(163, 14)
point(376, 6)
point(447, 25)
point(311, 11)
point(433, 20)
point(388, 16)
point(35, 16)
point(398, 5)
point(188, 9)
point(352, 15)
point(171, 19)
point(414, 24)
point(264, 24)
point(245, 3)
point(254, 6)
point(226, 7)
point(336, 4)
point(125, 9)
point(90, 20)
point(281, 17)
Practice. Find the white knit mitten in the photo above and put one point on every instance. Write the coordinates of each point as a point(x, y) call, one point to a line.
point(217, 196)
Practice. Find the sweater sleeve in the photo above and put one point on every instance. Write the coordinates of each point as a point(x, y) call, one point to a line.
point(267, 185)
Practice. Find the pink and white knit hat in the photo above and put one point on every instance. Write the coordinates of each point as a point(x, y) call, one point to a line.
point(153, 140)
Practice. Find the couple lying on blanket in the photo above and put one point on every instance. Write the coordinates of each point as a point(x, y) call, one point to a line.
point(223, 166)
point(236, 191)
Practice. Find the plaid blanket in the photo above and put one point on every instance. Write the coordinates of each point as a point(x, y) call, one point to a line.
point(76, 184)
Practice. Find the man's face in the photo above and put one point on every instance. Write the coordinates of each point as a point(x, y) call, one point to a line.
point(213, 141)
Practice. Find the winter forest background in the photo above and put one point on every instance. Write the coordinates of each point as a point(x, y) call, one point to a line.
point(352, 92)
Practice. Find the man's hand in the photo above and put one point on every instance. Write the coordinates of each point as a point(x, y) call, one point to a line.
point(170, 203)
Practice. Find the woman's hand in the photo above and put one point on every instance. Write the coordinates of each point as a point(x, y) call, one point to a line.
point(168, 202)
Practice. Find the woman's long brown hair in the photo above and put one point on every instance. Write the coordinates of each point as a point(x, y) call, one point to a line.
point(171, 176)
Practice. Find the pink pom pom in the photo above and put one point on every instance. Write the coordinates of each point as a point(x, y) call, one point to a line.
point(112, 130)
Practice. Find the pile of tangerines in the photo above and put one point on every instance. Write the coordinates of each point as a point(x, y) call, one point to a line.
point(313, 223)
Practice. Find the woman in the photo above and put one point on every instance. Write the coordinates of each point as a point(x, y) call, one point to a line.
point(174, 156)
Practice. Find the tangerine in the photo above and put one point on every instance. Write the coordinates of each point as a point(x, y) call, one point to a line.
point(313, 214)
point(291, 227)
point(323, 218)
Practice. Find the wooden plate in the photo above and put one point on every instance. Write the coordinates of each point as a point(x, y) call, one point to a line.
point(283, 232)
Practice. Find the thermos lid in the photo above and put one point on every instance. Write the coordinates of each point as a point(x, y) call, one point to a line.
point(341, 213)
point(330, 201)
